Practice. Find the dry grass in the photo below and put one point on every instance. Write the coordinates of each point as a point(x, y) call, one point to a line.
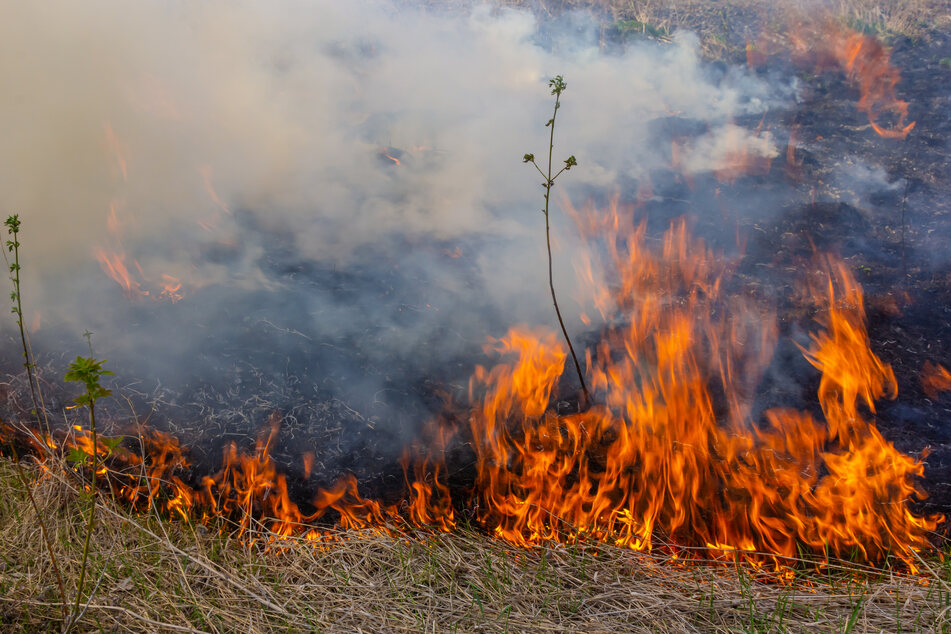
point(152, 574)
point(725, 27)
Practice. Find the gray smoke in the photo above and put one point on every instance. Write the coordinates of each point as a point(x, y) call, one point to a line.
point(250, 151)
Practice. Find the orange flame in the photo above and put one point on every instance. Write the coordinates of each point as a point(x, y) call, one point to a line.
point(671, 455)
point(113, 264)
point(171, 288)
point(824, 43)
point(116, 147)
point(206, 177)
point(935, 379)
point(668, 457)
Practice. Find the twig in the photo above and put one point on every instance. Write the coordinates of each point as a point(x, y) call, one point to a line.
point(558, 86)
point(117, 608)
point(904, 264)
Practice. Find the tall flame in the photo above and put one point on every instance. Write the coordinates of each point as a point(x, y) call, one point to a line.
point(671, 455)
point(668, 457)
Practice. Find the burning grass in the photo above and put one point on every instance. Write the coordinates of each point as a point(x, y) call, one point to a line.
point(153, 574)
point(669, 502)
point(669, 457)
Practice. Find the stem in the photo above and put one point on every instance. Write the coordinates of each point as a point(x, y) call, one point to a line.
point(549, 182)
point(43, 529)
point(904, 263)
point(19, 312)
point(92, 509)
point(15, 278)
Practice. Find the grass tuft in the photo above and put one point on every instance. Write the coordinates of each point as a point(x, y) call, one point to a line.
point(155, 574)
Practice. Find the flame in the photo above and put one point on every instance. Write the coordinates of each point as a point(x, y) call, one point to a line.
point(206, 177)
point(935, 379)
point(113, 264)
point(668, 457)
point(171, 288)
point(112, 141)
point(866, 63)
point(130, 277)
point(825, 44)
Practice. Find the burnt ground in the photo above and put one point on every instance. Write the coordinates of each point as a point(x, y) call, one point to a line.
point(895, 239)
point(881, 204)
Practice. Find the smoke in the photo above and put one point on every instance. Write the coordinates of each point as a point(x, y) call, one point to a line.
point(322, 175)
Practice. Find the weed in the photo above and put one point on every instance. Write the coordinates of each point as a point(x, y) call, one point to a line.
point(88, 371)
point(13, 246)
point(557, 86)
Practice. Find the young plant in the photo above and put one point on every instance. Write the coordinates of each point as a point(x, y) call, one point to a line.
point(13, 246)
point(88, 371)
point(557, 86)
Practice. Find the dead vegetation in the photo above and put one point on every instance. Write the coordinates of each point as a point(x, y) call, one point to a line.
point(153, 574)
point(725, 28)
point(149, 573)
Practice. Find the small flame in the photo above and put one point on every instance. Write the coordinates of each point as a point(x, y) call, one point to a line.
point(935, 379)
point(115, 267)
point(116, 147)
point(171, 288)
point(825, 44)
point(206, 177)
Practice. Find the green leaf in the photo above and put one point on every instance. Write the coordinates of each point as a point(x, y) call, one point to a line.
point(111, 443)
point(528, 158)
point(77, 456)
point(13, 223)
point(88, 371)
point(557, 85)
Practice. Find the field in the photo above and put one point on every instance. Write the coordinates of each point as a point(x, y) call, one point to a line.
point(193, 538)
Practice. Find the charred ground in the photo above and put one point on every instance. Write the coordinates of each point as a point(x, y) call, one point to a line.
point(881, 204)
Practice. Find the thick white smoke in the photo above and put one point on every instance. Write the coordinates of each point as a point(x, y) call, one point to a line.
point(201, 139)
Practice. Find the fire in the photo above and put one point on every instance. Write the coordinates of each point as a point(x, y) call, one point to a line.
point(113, 264)
point(171, 288)
point(825, 44)
point(670, 454)
point(131, 277)
point(668, 457)
point(112, 141)
point(206, 177)
point(935, 379)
